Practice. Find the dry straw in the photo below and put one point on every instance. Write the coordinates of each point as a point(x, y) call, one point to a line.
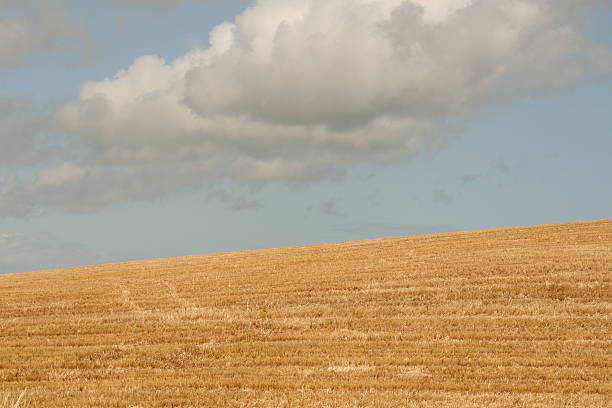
point(7, 401)
point(502, 318)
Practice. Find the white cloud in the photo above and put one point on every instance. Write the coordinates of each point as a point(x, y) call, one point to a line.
point(296, 90)
point(32, 25)
point(21, 252)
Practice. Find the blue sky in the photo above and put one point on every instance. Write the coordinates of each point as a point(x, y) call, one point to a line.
point(410, 122)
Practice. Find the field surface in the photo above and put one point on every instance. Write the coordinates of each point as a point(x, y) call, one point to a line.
point(502, 318)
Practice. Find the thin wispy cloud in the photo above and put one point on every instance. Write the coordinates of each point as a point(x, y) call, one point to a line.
point(30, 26)
point(21, 252)
point(331, 208)
point(169, 3)
point(440, 196)
point(386, 229)
point(234, 202)
point(469, 178)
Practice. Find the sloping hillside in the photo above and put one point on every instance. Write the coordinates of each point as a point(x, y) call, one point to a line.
point(503, 318)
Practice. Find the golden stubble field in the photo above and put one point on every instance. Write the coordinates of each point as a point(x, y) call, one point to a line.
point(503, 318)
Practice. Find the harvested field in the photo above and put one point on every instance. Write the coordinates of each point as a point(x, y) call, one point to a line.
point(502, 318)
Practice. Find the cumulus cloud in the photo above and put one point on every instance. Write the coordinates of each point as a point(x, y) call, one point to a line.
point(21, 252)
point(296, 90)
point(32, 25)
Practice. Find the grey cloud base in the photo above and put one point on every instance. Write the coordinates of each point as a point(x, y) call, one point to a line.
point(296, 90)
point(22, 134)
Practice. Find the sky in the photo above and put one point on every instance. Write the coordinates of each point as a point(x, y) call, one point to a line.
point(148, 129)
